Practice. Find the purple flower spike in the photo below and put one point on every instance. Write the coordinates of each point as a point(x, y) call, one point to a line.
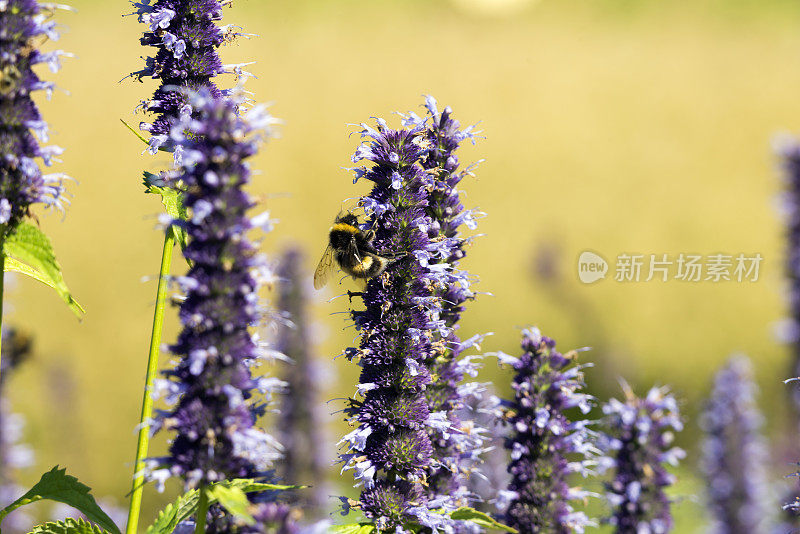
point(186, 38)
point(637, 447)
point(390, 451)
point(302, 420)
point(217, 403)
point(455, 453)
point(23, 26)
point(734, 454)
point(789, 151)
point(546, 446)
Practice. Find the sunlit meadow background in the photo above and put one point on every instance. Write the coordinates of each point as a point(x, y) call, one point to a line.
point(615, 126)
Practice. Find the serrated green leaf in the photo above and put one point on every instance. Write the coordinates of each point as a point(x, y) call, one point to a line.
point(186, 505)
point(352, 528)
point(234, 500)
point(168, 518)
point(172, 199)
point(57, 485)
point(479, 518)
point(28, 251)
point(68, 526)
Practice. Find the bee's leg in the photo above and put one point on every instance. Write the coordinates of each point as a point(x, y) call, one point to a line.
point(351, 294)
point(394, 256)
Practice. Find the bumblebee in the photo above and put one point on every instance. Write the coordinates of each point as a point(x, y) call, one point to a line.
point(353, 251)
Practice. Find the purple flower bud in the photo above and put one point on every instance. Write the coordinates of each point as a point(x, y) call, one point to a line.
point(214, 419)
point(23, 27)
point(637, 445)
point(734, 454)
point(547, 448)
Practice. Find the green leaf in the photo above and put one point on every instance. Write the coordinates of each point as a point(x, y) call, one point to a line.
point(352, 528)
point(142, 139)
point(234, 500)
point(186, 505)
point(58, 486)
point(248, 485)
point(479, 518)
point(172, 199)
point(134, 132)
point(174, 513)
point(28, 251)
point(68, 526)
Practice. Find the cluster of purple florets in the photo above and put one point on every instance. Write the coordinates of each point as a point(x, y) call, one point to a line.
point(734, 454)
point(638, 446)
point(456, 452)
point(301, 412)
point(186, 38)
point(23, 23)
point(790, 158)
point(215, 415)
point(547, 446)
point(391, 450)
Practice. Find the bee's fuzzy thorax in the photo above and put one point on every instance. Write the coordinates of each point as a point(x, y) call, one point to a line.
point(345, 228)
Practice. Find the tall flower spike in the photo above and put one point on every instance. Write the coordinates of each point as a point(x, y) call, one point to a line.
point(390, 450)
point(217, 405)
point(186, 38)
point(546, 446)
point(301, 421)
point(734, 454)
point(455, 452)
point(637, 446)
point(789, 150)
point(23, 26)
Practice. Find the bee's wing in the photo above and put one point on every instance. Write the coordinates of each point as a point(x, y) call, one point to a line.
point(323, 269)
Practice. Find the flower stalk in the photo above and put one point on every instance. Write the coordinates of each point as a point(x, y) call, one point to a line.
point(301, 423)
point(734, 454)
point(202, 511)
point(143, 439)
point(638, 446)
point(546, 446)
point(186, 40)
point(212, 390)
point(390, 451)
point(455, 453)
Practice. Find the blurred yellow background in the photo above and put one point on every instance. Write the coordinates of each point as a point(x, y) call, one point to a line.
point(614, 126)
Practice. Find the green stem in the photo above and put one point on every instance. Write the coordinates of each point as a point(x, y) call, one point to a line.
point(2, 285)
point(202, 511)
point(147, 399)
